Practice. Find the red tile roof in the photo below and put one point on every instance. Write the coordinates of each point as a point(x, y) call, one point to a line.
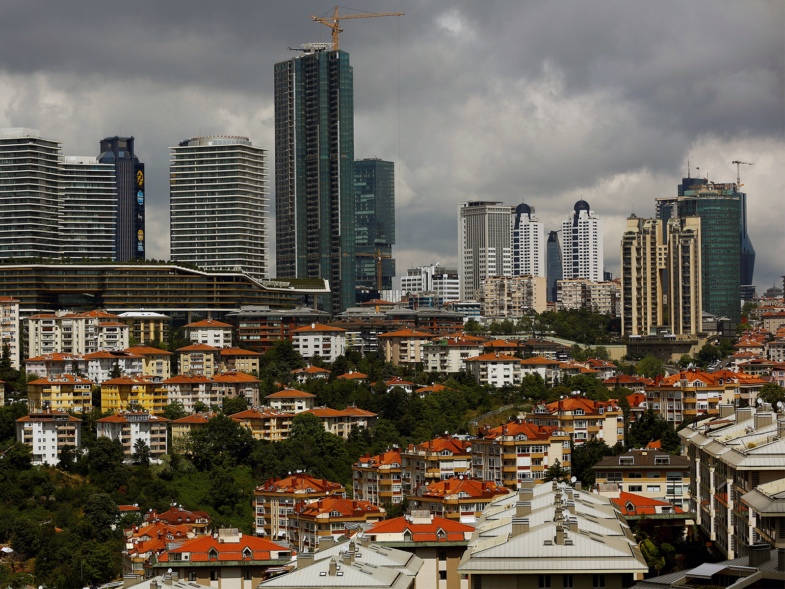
point(178, 516)
point(336, 503)
point(317, 327)
point(208, 323)
point(518, 427)
point(198, 348)
point(494, 357)
point(406, 333)
point(353, 375)
point(642, 505)
point(442, 443)
point(121, 419)
point(654, 445)
point(62, 379)
point(188, 379)
point(110, 354)
point(623, 379)
point(260, 548)
point(473, 488)
point(234, 376)
point(311, 370)
point(539, 360)
point(290, 394)
point(49, 416)
point(238, 352)
point(56, 357)
point(300, 482)
point(434, 388)
point(399, 525)
point(384, 459)
point(194, 419)
point(258, 414)
point(147, 351)
point(128, 380)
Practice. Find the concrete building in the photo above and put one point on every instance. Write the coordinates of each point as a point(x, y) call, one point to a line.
point(377, 479)
point(46, 434)
point(326, 341)
point(341, 422)
point(101, 364)
point(404, 347)
point(259, 327)
point(459, 499)
point(190, 389)
point(9, 329)
point(443, 282)
point(513, 296)
point(265, 424)
point(55, 365)
point(447, 356)
point(291, 401)
point(309, 373)
point(329, 518)
point(60, 393)
point(582, 419)
point(442, 458)
point(685, 275)
point(239, 359)
point(155, 363)
point(495, 369)
point(198, 359)
point(218, 204)
point(209, 332)
point(129, 428)
point(598, 297)
point(484, 244)
point(582, 250)
point(75, 333)
point(233, 385)
point(528, 243)
point(146, 326)
point(643, 259)
point(692, 394)
point(128, 393)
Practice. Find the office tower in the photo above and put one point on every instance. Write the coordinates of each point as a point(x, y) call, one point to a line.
point(582, 254)
point(129, 174)
point(443, 282)
point(643, 257)
point(88, 209)
point(218, 204)
point(554, 270)
point(314, 171)
point(685, 293)
point(484, 247)
point(718, 207)
point(747, 260)
point(528, 243)
point(29, 194)
point(374, 214)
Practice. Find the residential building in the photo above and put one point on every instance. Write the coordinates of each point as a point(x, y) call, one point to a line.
point(314, 196)
point(198, 359)
point(460, 498)
point(773, 321)
point(513, 296)
point(518, 451)
point(439, 280)
point(439, 321)
point(155, 362)
point(210, 332)
point(377, 479)
point(308, 373)
point(582, 250)
point(146, 326)
point(644, 257)
point(329, 517)
point(684, 269)
point(341, 422)
point(528, 243)
point(142, 542)
point(232, 384)
point(75, 333)
point(648, 473)
point(187, 425)
point(240, 360)
point(275, 499)
point(9, 327)
point(118, 152)
point(259, 327)
point(47, 433)
point(362, 333)
point(190, 389)
point(495, 369)
point(354, 375)
point(554, 265)
point(130, 393)
point(129, 428)
point(692, 393)
point(598, 297)
point(634, 383)
point(404, 347)
point(195, 522)
point(265, 424)
point(60, 393)
point(582, 419)
point(225, 559)
point(396, 382)
point(447, 356)
point(552, 536)
point(442, 458)
point(636, 507)
point(484, 244)
point(291, 401)
point(55, 365)
point(326, 341)
point(101, 364)
point(438, 541)
point(548, 370)
point(374, 225)
point(218, 204)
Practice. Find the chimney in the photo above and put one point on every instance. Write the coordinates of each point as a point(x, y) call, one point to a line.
point(523, 508)
point(526, 483)
point(571, 507)
point(365, 541)
point(560, 534)
point(744, 414)
point(348, 557)
point(326, 542)
point(726, 410)
point(304, 560)
point(781, 428)
point(333, 568)
point(154, 584)
point(573, 524)
point(759, 553)
point(762, 420)
point(520, 525)
point(131, 580)
point(526, 494)
point(175, 577)
point(554, 486)
point(578, 486)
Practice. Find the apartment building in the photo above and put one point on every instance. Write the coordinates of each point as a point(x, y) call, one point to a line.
point(447, 356)
point(582, 245)
point(484, 244)
point(732, 454)
point(649, 473)
point(443, 282)
point(155, 362)
point(132, 427)
point(132, 392)
point(75, 333)
point(518, 451)
point(773, 321)
point(198, 359)
point(60, 393)
point(189, 424)
point(691, 393)
point(190, 389)
point(233, 384)
point(329, 517)
point(644, 259)
point(582, 419)
point(291, 401)
point(143, 542)
point(341, 422)
point(460, 498)
point(377, 479)
point(548, 370)
point(274, 500)
point(101, 364)
point(495, 369)
point(404, 347)
point(634, 383)
point(9, 329)
point(259, 327)
point(685, 275)
point(241, 360)
point(580, 293)
point(195, 522)
point(326, 341)
point(210, 332)
point(55, 365)
point(46, 434)
point(265, 424)
point(428, 319)
point(302, 375)
point(513, 296)
point(146, 326)
point(442, 458)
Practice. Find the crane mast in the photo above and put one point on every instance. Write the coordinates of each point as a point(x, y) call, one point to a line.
point(332, 21)
point(738, 175)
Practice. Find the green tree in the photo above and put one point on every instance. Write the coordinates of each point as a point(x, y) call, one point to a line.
point(174, 410)
point(102, 513)
point(200, 407)
point(66, 457)
point(585, 456)
point(106, 455)
point(556, 472)
point(234, 405)
point(26, 537)
point(141, 452)
point(115, 372)
point(772, 393)
point(650, 367)
point(707, 354)
point(472, 326)
point(685, 360)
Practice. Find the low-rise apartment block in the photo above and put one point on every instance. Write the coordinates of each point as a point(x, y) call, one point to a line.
point(129, 428)
point(75, 333)
point(101, 364)
point(190, 389)
point(582, 419)
point(439, 459)
point(265, 424)
point(580, 293)
point(210, 332)
point(55, 365)
point(259, 327)
point(326, 341)
point(47, 433)
point(447, 356)
point(146, 326)
point(692, 393)
point(513, 296)
point(197, 523)
point(308, 373)
point(341, 422)
point(240, 360)
point(329, 517)
point(291, 401)
point(377, 479)
point(189, 424)
point(404, 347)
point(155, 362)
point(233, 384)
point(9, 329)
point(198, 359)
point(460, 498)
point(60, 393)
point(128, 393)
point(495, 369)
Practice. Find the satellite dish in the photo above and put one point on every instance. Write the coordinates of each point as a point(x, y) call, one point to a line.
point(573, 479)
point(759, 401)
point(781, 404)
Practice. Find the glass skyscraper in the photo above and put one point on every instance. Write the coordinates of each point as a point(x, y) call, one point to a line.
point(554, 264)
point(374, 214)
point(314, 171)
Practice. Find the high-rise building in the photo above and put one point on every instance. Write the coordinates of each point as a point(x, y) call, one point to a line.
point(554, 269)
point(513, 296)
point(685, 292)
point(374, 213)
point(29, 194)
point(747, 261)
point(643, 257)
point(218, 204)
point(314, 171)
point(582, 254)
point(484, 247)
point(443, 282)
point(88, 209)
point(129, 176)
point(718, 207)
point(528, 243)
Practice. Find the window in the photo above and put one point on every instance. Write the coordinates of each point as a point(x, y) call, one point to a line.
point(442, 575)
point(652, 488)
point(654, 474)
point(442, 555)
point(247, 575)
point(635, 488)
point(545, 580)
point(566, 581)
point(598, 581)
point(213, 575)
point(634, 475)
point(192, 576)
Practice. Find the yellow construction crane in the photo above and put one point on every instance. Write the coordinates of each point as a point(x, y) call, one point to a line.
point(332, 21)
point(378, 255)
point(738, 176)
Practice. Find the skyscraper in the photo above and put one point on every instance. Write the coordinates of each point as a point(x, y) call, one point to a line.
point(685, 294)
point(643, 258)
point(314, 170)
point(129, 174)
point(218, 204)
point(582, 253)
point(528, 243)
point(374, 213)
point(747, 261)
point(484, 247)
point(554, 272)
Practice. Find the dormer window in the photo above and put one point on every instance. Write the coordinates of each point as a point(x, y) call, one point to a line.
point(247, 554)
point(662, 460)
point(630, 507)
point(407, 535)
point(212, 554)
point(335, 514)
point(521, 437)
point(440, 534)
point(579, 412)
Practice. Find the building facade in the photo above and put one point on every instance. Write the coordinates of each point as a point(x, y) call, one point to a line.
point(47, 433)
point(75, 333)
point(513, 296)
point(582, 253)
point(374, 213)
point(129, 428)
point(528, 243)
point(326, 341)
point(377, 479)
point(128, 393)
point(643, 258)
point(484, 243)
point(443, 282)
point(554, 267)
point(685, 275)
point(65, 392)
point(10, 334)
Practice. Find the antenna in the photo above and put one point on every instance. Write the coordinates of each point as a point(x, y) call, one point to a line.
point(688, 167)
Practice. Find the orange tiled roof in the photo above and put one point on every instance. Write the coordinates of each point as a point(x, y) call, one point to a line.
point(317, 327)
point(384, 459)
point(147, 351)
point(121, 419)
point(129, 380)
point(62, 379)
point(56, 357)
point(335, 503)
point(47, 416)
point(198, 348)
point(503, 343)
point(353, 375)
point(493, 358)
point(310, 370)
point(300, 482)
point(538, 360)
point(195, 419)
point(654, 445)
point(473, 488)
point(258, 414)
point(290, 394)
point(642, 505)
point(208, 323)
point(234, 376)
point(260, 549)
point(406, 333)
point(188, 379)
point(238, 352)
point(514, 428)
point(110, 354)
point(400, 524)
point(622, 379)
point(443, 442)
point(434, 388)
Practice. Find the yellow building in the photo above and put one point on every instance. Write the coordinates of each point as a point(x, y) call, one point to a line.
point(265, 424)
point(156, 362)
point(198, 359)
point(118, 394)
point(146, 326)
point(242, 360)
point(185, 426)
point(60, 393)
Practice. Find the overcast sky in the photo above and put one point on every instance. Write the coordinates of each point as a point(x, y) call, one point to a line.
point(543, 102)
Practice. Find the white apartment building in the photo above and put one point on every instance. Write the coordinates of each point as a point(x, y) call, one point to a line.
point(447, 356)
point(101, 364)
point(513, 296)
point(47, 433)
point(75, 333)
point(580, 293)
point(316, 339)
point(484, 243)
point(436, 279)
point(190, 389)
point(582, 253)
point(528, 243)
point(495, 369)
point(9, 329)
point(131, 427)
point(218, 204)
point(210, 332)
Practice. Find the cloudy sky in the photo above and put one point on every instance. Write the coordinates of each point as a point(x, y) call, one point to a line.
point(543, 102)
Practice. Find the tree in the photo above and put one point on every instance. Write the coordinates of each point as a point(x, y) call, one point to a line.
point(174, 410)
point(650, 367)
point(115, 372)
point(472, 326)
point(556, 472)
point(585, 456)
point(200, 407)
point(66, 457)
point(106, 455)
point(141, 452)
point(26, 537)
point(102, 513)
point(707, 354)
point(685, 360)
point(772, 393)
point(234, 405)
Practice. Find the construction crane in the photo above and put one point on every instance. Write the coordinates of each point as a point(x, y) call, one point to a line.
point(332, 21)
point(738, 176)
point(378, 255)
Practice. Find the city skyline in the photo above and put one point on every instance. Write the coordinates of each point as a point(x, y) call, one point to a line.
point(725, 107)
